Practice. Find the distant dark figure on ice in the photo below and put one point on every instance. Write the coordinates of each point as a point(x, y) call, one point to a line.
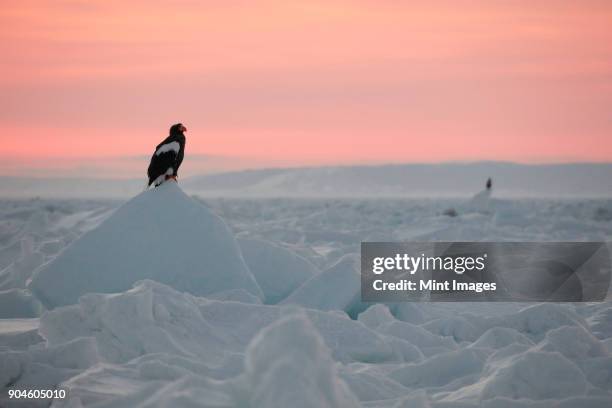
point(489, 183)
point(168, 156)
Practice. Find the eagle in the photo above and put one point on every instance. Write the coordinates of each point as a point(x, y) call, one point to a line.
point(168, 156)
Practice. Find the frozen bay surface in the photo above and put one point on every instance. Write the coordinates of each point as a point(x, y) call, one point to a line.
point(304, 338)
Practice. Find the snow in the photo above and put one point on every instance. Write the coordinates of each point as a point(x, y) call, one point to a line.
point(161, 234)
point(251, 303)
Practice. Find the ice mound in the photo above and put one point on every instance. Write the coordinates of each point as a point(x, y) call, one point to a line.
point(336, 288)
point(277, 270)
point(151, 381)
point(288, 365)
point(153, 337)
point(575, 343)
point(367, 383)
point(499, 337)
point(535, 321)
point(601, 323)
point(441, 369)
point(154, 318)
point(161, 234)
point(375, 316)
point(458, 327)
point(150, 318)
point(534, 375)
point(480, 202)
point(408, 312)
point(348, 340)
point(427, 342)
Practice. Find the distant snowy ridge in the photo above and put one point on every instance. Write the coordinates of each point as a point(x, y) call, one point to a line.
point(412, 180)
point(405, 180)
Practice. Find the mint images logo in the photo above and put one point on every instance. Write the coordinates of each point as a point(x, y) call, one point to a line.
point(485, 271)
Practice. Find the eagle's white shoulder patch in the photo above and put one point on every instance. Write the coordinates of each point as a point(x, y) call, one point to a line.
point(168, 147)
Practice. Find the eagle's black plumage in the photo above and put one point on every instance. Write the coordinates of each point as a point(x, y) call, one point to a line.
point(168, 156)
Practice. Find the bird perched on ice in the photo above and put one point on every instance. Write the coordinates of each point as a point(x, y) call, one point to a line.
point(168, 156)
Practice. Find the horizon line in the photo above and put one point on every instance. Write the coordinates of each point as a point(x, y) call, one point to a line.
point(322, 166)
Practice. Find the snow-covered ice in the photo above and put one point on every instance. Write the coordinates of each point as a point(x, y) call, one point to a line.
point(171, 300)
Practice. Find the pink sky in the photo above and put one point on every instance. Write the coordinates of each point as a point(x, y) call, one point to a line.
point(312, 82)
